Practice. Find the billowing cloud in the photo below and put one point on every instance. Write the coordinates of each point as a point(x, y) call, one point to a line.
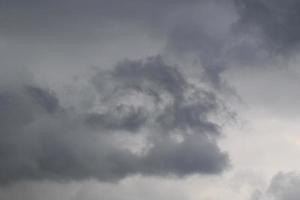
point(137, 113)
point(148, 119)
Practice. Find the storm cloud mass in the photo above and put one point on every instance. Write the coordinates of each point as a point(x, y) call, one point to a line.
point(148, 99)
point(127, 92)
point(276, 21)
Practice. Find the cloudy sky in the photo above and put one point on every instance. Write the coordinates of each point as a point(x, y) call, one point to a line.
point(149, 99)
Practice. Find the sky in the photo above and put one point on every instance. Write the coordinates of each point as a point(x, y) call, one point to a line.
point(149, 99)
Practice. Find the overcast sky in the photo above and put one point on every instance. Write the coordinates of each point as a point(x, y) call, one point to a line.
point(149, 99)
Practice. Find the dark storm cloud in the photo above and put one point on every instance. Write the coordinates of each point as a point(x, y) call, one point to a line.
point(236, 33)
point(283, 186)
point(175, 112)
point(126, 118)
point(154, 79)
point(220, 33)
point(40, 139)
point(148, 99)
point(277, 22)
point(190, 39)
point(205, 28)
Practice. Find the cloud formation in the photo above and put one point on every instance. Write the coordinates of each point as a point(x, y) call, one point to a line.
point(148, 119)
point(147, 115)
point(283, 186)
point(276, 21)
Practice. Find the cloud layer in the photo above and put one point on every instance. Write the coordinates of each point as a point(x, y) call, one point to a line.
point(283, 186)
point(167, 72)
point(148, 119)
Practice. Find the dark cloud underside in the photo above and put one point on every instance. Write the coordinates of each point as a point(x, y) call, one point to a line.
point(277, 21)
point(42, 140)
point(148, 116)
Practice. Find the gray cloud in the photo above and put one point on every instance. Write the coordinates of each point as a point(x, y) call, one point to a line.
point(239, 34)
point(276, 21)
point(158, 116)
point(78, 19)
point(149, 99)
point(283, 186)
point(219, 34)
